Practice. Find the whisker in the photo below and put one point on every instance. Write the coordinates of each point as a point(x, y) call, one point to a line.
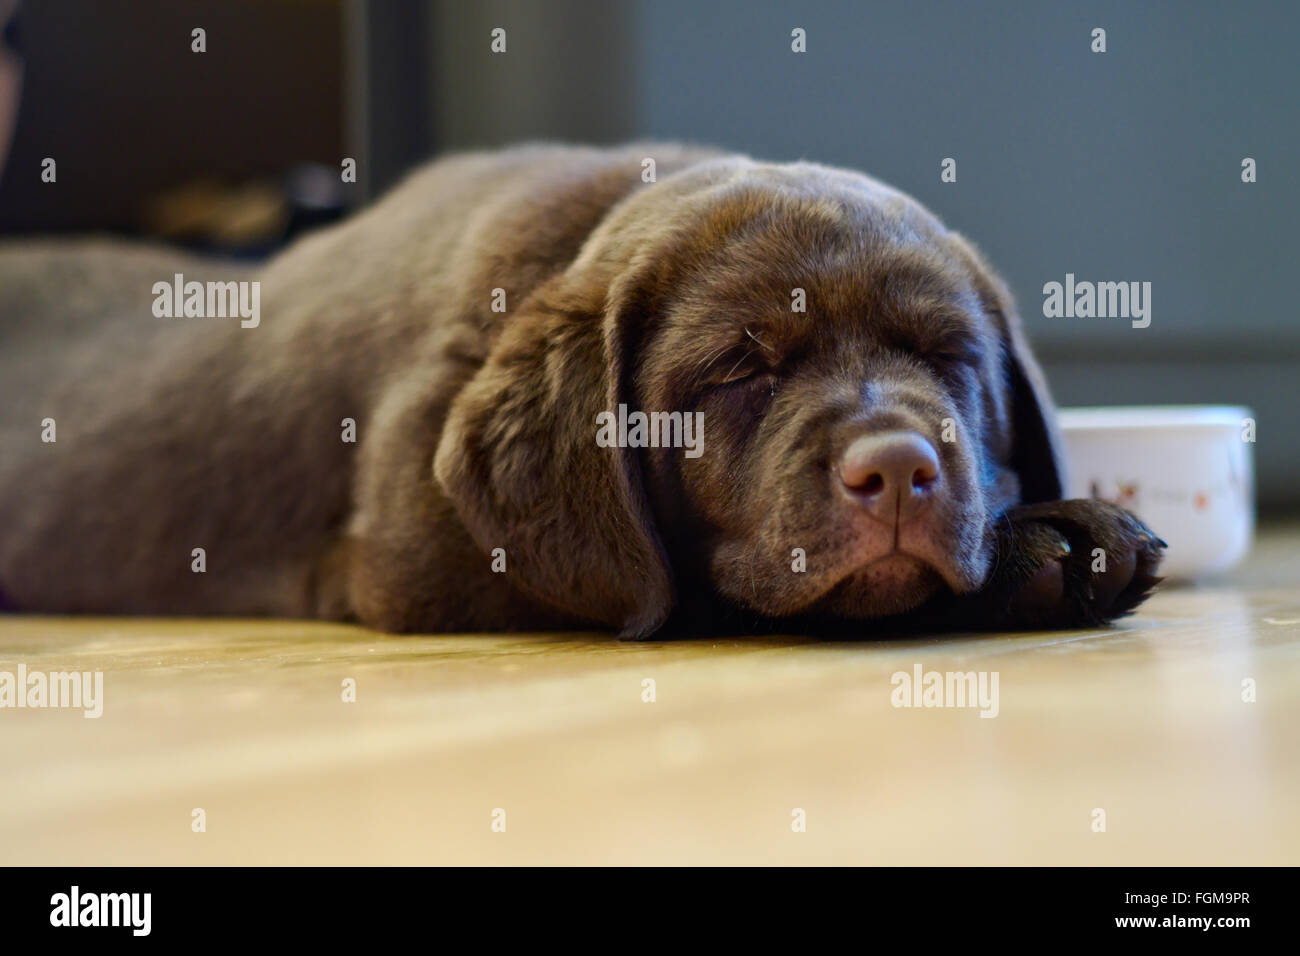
point(740, 362)
point(716, 355)
point(761, 343)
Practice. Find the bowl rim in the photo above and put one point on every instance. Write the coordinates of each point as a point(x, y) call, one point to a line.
point(1138, 417)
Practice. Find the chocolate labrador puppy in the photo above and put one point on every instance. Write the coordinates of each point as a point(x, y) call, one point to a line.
point(435, 416)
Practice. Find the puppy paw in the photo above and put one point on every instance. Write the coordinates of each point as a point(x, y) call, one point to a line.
point(1070, 564)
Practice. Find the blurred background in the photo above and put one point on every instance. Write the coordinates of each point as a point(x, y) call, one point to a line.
point(1123, 165)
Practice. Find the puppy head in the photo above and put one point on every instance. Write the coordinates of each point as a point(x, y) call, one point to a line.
point(867, 403)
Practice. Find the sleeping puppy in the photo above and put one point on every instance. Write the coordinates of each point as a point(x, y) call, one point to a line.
point(874, 442)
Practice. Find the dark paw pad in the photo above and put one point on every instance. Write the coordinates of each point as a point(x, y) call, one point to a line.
point(1070, 563)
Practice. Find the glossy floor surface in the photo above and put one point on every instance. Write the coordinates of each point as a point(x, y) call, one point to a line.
point(1177, 730)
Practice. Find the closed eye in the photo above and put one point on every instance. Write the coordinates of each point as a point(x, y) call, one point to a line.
point(955, 357)
point(735, 367)
point(745, 399)
point(943, 338)
point(755, 381)
point(954, 350)
point(751, 357)
point(736, 376)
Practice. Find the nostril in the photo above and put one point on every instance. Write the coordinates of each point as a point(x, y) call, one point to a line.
point(924, 477)
point(874, 484)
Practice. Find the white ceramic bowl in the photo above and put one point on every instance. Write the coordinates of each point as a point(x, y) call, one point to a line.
point(1186, 470)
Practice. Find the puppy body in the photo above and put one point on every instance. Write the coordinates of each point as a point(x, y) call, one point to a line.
point(175, 434)
point(476, 427)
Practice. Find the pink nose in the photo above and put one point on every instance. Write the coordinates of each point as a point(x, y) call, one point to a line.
point(890, 474)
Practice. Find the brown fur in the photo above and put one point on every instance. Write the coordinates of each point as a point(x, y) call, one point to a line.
point(476, 429)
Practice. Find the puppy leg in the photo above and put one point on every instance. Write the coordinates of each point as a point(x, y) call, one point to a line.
point(1064, 564)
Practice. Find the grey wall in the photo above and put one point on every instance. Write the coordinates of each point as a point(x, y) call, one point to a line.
point(425, 80)
point(1123, 165)
point(1117, 165)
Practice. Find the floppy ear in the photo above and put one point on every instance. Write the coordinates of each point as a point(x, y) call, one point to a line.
point(1036, 448)
point(518, 458)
